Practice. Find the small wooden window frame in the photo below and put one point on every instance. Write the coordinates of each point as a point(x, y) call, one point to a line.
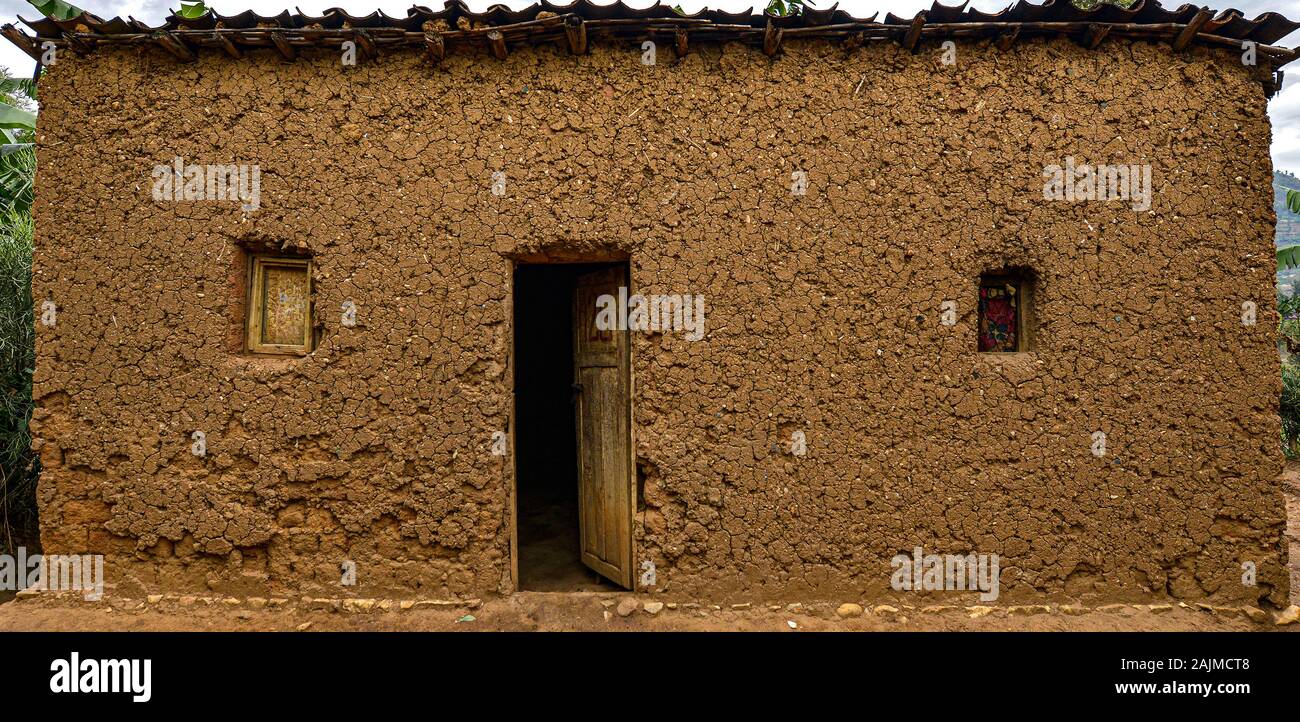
point(256, 311)
point(1024, 284)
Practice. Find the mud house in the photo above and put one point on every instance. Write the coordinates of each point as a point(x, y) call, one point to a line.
point(718, 305)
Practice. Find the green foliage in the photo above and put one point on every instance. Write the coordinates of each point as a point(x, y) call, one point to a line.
point(1290, 409)
point(14, 117)
point(1287, 231)
point(1288, 257)
point(1288, 306)
point(786, 7)
point(57, 9)
point(1288, 321)
point(11, 88)
point(19, 467)
point(192, 10)
point(1293, 200)
point(16, 96)
point(17, 169)
point(17, 153)
point(1288, 309)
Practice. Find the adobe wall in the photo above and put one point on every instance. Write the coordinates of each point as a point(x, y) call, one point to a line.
point(823, 316)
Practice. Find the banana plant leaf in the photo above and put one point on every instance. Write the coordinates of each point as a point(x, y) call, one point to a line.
point(12, 117)
point(56, 9)
point(11, 86)
point(17, 168)
point(192, 10)
point(1288, 257)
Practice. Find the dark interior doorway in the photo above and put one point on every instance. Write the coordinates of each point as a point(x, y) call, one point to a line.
point(546, 462)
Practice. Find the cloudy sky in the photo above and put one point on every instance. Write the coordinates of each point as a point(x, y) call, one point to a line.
point(1284, 108)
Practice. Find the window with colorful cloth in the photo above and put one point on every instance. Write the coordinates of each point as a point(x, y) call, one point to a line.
point(1000, 322)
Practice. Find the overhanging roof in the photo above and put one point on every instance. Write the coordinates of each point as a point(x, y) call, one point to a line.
point(498, 28)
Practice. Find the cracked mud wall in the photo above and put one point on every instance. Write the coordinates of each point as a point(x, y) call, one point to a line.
point(823, 315)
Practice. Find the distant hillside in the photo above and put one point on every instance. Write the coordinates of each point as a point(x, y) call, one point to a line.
point(1287, 232)
point(1288, 223)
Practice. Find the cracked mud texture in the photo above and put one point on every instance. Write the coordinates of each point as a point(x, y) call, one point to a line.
point(823, 316)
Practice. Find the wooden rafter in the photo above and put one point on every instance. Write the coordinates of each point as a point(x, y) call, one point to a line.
point(281, 43)
point(435, 47)
point(1189, 32)
point(1007, 39)
point(576, 31)
point(912, 40)
point(174, 45)
point(366, 43)
point(224, 41)
point(289, 41)
point(771, 39)
point(24, 42)
point(497, 42)
point(1093, 36)
point(79, 46)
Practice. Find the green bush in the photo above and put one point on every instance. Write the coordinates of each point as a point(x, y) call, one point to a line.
point(18, 465)
point(1290, 409)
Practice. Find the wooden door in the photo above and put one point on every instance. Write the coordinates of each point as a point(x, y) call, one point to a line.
point(601, 391)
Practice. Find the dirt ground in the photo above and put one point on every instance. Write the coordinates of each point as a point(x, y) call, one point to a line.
point(547, 563)
point(620, 611)
point(583, 611)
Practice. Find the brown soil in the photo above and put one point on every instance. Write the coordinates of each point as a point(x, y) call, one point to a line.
point(537, 611)
point(549, 563)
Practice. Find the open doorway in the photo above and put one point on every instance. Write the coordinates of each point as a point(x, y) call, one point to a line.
point(572, 439)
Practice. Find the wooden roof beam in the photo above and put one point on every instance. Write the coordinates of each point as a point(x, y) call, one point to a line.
point(1093, 36)
point(1189, 31)
point(435, 47)
point(575, 29)
point(78, 45)
point(22, 40)
point(681, 42)
point(497, 42)
point(1007, 39)
point(771, 39)
point(366, 43)
point(228, 46)
point(281, 43)
point(912, 40)
point(174, 45)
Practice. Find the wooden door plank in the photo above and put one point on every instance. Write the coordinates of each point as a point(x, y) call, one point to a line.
point(604, 438)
